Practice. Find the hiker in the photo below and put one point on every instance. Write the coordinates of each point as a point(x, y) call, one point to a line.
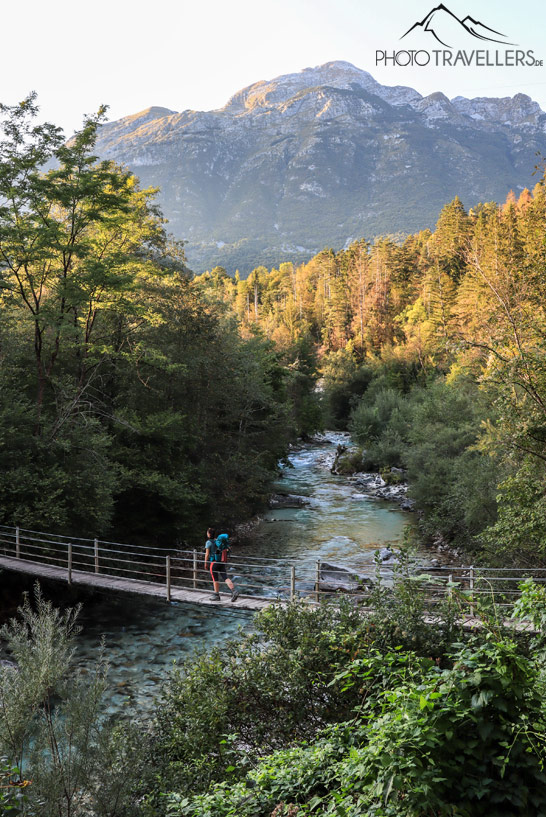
point(216, 552)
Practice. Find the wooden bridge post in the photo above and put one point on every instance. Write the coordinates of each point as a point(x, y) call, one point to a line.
point(450, 585)
point(96, 547)
point(168, 576)
point(195, 570)
point(292, 582)
point(317, 582)
point(70, 563)
point(17, 543)
point(472, 590)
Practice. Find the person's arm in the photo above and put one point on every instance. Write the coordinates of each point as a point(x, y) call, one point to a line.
point(207, 552)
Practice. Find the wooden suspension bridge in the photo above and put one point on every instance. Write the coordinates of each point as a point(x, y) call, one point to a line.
point(176, 575)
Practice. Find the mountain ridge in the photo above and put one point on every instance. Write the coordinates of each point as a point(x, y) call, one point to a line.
point(321, 157)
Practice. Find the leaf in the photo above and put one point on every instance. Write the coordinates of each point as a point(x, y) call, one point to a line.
point(389, 787)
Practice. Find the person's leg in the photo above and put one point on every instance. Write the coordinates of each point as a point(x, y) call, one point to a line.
point(234, 591)
point(222, 573)
point(215, 582)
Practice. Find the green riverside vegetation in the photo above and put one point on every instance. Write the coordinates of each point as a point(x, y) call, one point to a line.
point(432, 352)
point(319, 711)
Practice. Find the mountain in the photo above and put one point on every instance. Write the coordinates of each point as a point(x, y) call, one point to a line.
point(320, 158)
point(446, 28)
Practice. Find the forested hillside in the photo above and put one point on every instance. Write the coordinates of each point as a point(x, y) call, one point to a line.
point(129, 403)
point(433, 353)
point(139, 400)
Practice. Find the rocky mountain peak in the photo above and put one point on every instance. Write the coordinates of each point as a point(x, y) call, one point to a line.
point(337, 74)
point(437, 106)
point(322, 157)
point(517, 110)
point(130, 124)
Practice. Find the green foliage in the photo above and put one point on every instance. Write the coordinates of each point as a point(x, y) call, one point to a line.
point(130, 404)
point(246, 699)
point(51, 722)
point(202, 438)
point(451, 481)
point(461, 740)
point(530, 607)
point(65, 483)
point(12, 789)
point(380, 422)
point(285, 683)
point(344, 381)
point(320, 711)
point(433, 433)
point(301, 366)
point(398, 616)
point(519, 534)
point(348, 462)
point(464, 738)
point(464, 303)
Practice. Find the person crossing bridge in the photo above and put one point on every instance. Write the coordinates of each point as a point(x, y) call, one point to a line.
point(216, 554)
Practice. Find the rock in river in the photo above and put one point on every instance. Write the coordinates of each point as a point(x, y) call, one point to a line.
point(288, 501)
point(334, 577)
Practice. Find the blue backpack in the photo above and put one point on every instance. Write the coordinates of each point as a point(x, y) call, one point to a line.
point(222, 547)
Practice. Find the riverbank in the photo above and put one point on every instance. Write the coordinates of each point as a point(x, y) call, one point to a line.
point(321, 516)
point(316, 514)
point(391, 485)
point(336, 460)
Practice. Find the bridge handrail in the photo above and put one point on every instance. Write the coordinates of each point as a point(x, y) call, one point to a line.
point(283, 576)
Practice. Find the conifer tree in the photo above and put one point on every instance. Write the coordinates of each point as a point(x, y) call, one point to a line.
point(449, 243)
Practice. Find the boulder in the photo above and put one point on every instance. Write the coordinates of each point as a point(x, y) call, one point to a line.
point(288, 501)
point(395, 493)
point(319, 439)
point(370, 482)
point(375, 485)
point(335, 578)
point(341, 450)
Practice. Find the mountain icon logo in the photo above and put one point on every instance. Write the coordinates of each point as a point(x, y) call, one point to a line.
point(443, 25)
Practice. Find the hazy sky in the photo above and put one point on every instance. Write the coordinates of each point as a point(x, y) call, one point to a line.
point(131, 55)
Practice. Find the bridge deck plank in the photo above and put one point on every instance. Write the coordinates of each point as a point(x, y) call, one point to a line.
point(133, 586)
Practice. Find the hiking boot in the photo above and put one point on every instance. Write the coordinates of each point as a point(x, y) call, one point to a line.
point(235, 595)
point(215, 597)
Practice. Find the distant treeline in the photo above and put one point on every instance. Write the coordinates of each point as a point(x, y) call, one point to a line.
point(433, 352)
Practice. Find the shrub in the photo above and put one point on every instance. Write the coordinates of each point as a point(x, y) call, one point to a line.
point(51, 723)
point(465, 740)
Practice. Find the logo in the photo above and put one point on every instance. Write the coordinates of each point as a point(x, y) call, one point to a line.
point(441, 23)
point(461, 40)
